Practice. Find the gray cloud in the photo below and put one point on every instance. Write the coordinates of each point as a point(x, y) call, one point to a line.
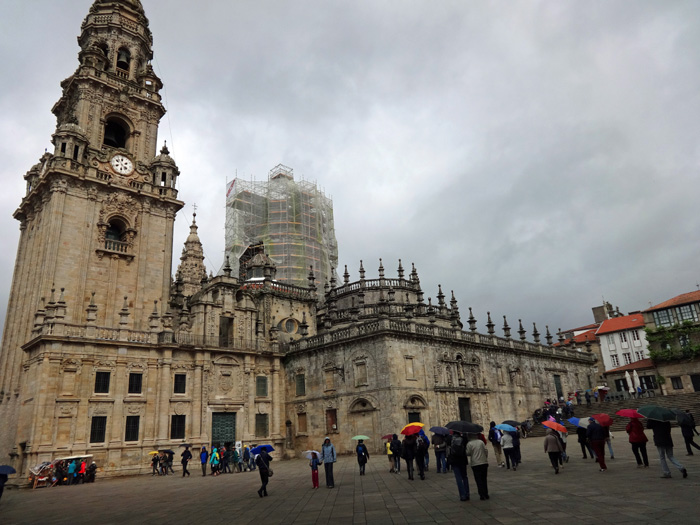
point(531, 156)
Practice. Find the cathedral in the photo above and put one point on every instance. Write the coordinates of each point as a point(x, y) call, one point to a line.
point(104, 353)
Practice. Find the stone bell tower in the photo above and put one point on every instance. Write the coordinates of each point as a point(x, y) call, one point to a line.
point(98, 213)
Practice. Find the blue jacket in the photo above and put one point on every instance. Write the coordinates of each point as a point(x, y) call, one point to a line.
point(328, 452)
point(203, 456)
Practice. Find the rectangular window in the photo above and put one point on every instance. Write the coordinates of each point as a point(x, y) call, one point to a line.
point(360, 374)
point(410, 369)
point(132, 428)
point(414, 417)
point(611, 341)
point(102, 383)
point(63, 148)
point(686, 313)
point(663, 318)
point(261, 426)
point(638, 355)
point(331, 421)
point(330, 379)
point(677, 383)
point(623, 337)
point(261, 386)
point(180, 385)
point(620, 385)
point(684, 341)
point(635, 335)
point(627, 357)
point(301, 385)
point(135, 381)
point(301, 422)
point(98, 428)
point(615, 361)
point(177, 427)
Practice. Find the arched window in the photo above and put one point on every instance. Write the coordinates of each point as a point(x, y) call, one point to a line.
point(105, 51)
point(115, 236)
point(116, 133)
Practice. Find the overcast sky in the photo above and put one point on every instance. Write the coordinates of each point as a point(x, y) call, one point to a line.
point(534, 157)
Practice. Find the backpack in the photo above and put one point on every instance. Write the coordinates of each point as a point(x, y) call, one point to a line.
point(457, 449)
point(395, 448)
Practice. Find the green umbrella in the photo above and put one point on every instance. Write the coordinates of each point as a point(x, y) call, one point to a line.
point(360, 437)
point(657, 413)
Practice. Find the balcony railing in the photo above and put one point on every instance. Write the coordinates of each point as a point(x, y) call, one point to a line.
point(116, 246)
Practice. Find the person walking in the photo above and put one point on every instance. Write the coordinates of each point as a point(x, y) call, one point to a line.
point(313, 463)
point(214, 461)
point(408, 453)
point(155, 470)
point(262, 461)
point(553, 447)
point(638, 439)
point(587, 395)
point(664, 446)
point(440, 447)
point(362, 455)
point(457, 456)
point(396, 453)
point(689, 431)
point(596, 436)
point(246, 458)
point(509, 450)
point(225, 460)
point(186, 457)
point(389, 455)
point(425, 446)
point(479, 459)
point(608, 441)
point(328, 457)
point(583, 441)
point(495, 440)
point(203, 458)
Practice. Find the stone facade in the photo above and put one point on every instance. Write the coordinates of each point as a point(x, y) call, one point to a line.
point(104, 354)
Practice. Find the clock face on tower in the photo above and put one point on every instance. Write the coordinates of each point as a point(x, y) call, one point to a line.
point(122, 164)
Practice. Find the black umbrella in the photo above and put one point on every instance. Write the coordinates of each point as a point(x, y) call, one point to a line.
point(167, 451)
point(186, 445)
point(683, 418)
point(511, 422)
point(7, 469)
point(465, 427)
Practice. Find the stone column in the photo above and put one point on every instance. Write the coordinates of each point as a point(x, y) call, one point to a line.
point(197, 408)
point(250, 412)
point(164, 390)
point(276, 399)
point(118, 388)
point(152, 395)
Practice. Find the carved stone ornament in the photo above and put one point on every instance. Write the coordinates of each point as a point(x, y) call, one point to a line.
point(67, 409)
point(122, 205)
point(225, 383)
point(71, 365)
point(135, 409)
point(301, 408)
point(180, 408)
point(99, 410)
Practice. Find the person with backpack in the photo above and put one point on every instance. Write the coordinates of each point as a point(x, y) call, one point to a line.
point(457, 456)
point(362, 456)
point(440, 448)
point(509, 450)
point(408, 453)
point(262, 461)
point(495, 440)
point(246, 459)
point(395, 447)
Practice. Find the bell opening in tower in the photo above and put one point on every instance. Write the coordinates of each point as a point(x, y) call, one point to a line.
point(115, 134)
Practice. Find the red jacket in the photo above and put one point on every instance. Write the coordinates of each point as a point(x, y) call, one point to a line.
point(636, 431)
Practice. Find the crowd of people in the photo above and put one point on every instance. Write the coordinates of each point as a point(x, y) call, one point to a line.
point(73, 472)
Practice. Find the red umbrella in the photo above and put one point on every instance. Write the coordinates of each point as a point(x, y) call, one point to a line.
point(629, 412)
point(388, 436)
point(555, 426)
point(410, 430)
point(603, 419)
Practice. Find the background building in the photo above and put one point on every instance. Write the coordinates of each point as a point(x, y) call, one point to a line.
point(293, 220)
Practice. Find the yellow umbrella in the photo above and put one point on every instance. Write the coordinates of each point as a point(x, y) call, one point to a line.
point(152, 452)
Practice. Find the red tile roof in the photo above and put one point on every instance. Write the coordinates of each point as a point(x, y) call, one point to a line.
point(685, 298)
point(586, 327)
point(637, 365)
point(617, 324)
point(580, 338)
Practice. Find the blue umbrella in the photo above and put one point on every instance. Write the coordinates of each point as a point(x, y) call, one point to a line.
point(440, 430)
point(506, 428)
point(260, 448)
point(583, 423)
point(7, 469)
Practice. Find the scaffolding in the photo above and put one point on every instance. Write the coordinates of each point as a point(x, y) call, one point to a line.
point(293, 219)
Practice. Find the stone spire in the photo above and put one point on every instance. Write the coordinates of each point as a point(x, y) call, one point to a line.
point(191, 269)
